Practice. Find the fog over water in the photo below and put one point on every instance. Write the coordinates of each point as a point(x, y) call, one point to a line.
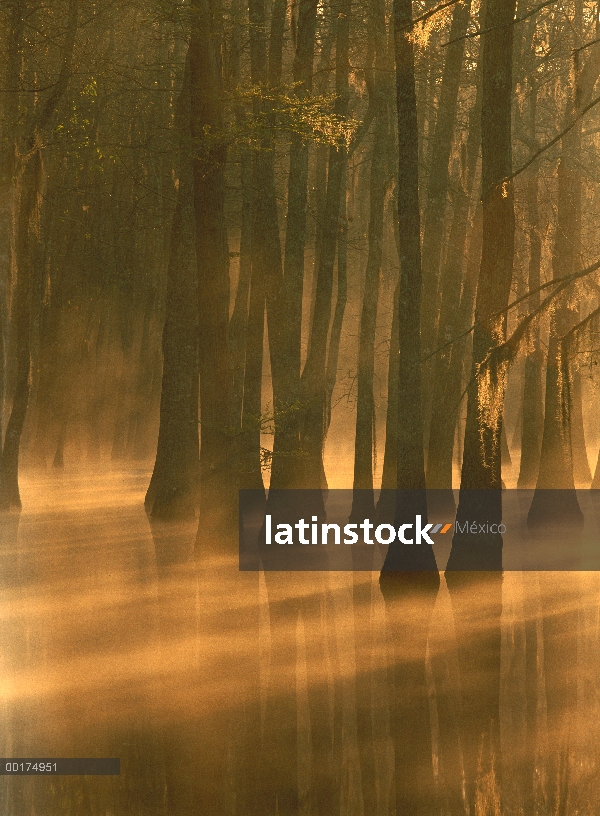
point(115, 642)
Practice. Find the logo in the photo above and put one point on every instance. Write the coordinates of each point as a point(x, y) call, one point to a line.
point(414, 533)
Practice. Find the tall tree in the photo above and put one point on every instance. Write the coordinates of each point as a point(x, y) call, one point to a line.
point(212, 255)
point(481, 457)
point(409, 580)
point(28, 178)
point(533, 417)
point(173, 487)
point(438, 181)
point(556, 457)
point(476, 594)
point(313, 382)
point(365, 403)
point(288, 303)
point(455, 285)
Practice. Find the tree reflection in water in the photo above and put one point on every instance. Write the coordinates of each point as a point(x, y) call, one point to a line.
point(235, 693)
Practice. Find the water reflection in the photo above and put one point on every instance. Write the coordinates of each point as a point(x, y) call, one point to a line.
point(245, 693)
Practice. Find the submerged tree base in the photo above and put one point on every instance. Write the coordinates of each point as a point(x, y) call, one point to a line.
point(479, 552)
point(555, 507)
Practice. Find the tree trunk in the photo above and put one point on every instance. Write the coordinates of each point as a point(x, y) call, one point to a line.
point(238, 325)
point(555, 498)
point(445, 398)
point(365, 403)
point(481, 467)
point(172, 490)
point(411, 470)
point(313, 382)
point(285, 465)
point(389, 475)
point(533, 410)
point(267, 272)
point(27, 166)
point(479, 596)
point(409, 580)
point(212, 258)
point(333, 352)
point(27, 189)
point(437, 185)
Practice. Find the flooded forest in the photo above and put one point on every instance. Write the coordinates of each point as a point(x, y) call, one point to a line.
point(296, 250)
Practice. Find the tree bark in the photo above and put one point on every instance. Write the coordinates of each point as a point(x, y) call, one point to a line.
point(238, 325)
point(478, 596)
point(212, 258)
point(389, 475)
point(409, 580)
point(286, 443)
point(27, 167)
point(437, 185)
point(313, 381)
point(172, 491)
point(533, 410)
point(481, 467)
point(556, 457)
point(341, 299)
point(27, 188)
point(267, 272)
point(411, 470)
point(447, 382)
point(365, 403)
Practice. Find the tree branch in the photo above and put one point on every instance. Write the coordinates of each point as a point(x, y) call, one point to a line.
point(561, 284)
point(552, 142)
point(431, 13)
point(65, 70)
point(495, 28)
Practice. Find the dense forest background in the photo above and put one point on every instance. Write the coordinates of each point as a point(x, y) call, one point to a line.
point(298, 245)
point(204, 226)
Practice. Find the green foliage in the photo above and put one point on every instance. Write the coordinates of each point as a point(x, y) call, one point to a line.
point(285, 112)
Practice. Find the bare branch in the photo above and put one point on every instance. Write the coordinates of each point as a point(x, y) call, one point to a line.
point(65, 71)
point(480, 31)
point(431, 13)
point(553, 141)
point(560, 283)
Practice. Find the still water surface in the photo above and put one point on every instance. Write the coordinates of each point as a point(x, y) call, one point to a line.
point(230, 693)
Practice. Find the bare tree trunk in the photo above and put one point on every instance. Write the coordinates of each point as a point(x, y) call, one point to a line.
point(27, 188)
point(267, 272)
point(365, 403)
point(285, 465)
point(477, 596)
point(533, 410)
point(313, 382)
point(481, 458)
point(556, 464)
point(446, 384)
point(411, 471)
point(7, 169)
point(172, 490)
point(409, 580)
point(389, 475)
point(212, 258)
point(28, 172)
point(341, 298)
point(437, 186)
point(238, 325)
point(556, 458)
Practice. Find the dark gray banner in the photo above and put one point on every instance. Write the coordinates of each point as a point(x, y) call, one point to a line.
point(469, 530)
